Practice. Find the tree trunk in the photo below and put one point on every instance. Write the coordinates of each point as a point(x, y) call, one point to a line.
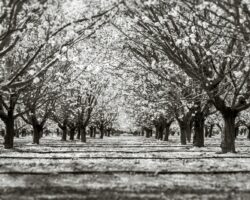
point(9, 136)
point(219, 128)
point(102, 132)
point(78, 133)
point(83, 134)
point(64, 134)
point(228, 134)
point(108, 133)
point(10, 131)
point(36, 134)
point(248, 135)
point(94, 132)
point(72, 133)
point(64, 129)
point(23, 132)
point(183, 130)
point(91, 131)
point(156, 132)
point(183, 136)
point(167, 132)
point(17, 133)
point(206, 131)
point(211, 130)
point(148, 133)
point(236, 132)
point(142, 131)
point(198, 140)
point(160, 132)
point(188, 131)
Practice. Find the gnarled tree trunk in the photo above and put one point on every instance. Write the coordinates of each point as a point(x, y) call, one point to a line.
point(156, 132)
point(65, 133)
point(102, 131)
point(142, 131)
point(78, 136)
point(228, 134)
point(72, 133)
point(198, 139)
point(148, 132)
point(94, 132)
point(248, 135)
point(188, 131)
point(83, 134)
point(167, 131)
point(91, 131)
point(64, 128)
point(184, 129)
point(211, 130)
point(160, 132)
point(10, 130)
point(37, 133)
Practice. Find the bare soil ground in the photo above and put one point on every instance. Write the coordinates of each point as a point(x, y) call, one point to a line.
point(123, 167)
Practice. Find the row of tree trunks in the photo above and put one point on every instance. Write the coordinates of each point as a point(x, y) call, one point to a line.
point(108, 132)
point(159, 132)
point(92, 131)
point(162, 131)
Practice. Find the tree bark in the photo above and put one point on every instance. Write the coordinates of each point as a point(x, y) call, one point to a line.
point(10, 131)
point(83, 134)
point(108, 132)
point(142, 131)
point(160, 132)
point(189, 131)
point(72, 133)
point(167, 132)
point(64, 134)
point(156, 132)
point(91, 134)
point(206, 131)
point(37, 133)
point(64, 129)
point(9, 136)
point(198, 139)
point(102, 131)
point(148, 133)
point(236, 131)
point(248, 135)
point(183, 131)
point(78, 133)
point(211, 130)
point(183, 136)
point(94, 132)
point(228, 134)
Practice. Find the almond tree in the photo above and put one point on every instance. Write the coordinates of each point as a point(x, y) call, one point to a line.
point(204, 41)
point(38, 46)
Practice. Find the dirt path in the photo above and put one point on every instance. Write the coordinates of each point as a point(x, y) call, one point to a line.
point(124, 167)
